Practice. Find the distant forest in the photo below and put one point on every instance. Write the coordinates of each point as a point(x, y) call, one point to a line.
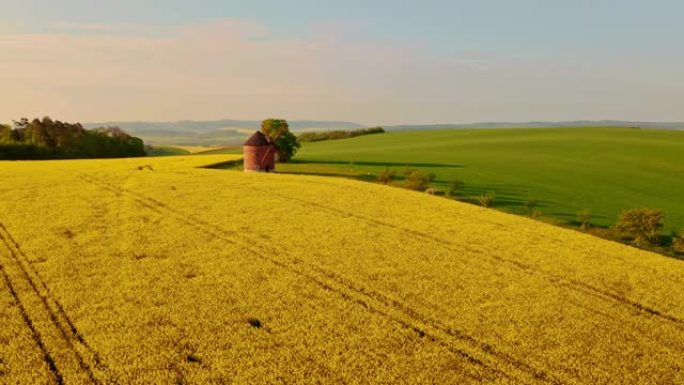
point(338, 134)
point(52, 139)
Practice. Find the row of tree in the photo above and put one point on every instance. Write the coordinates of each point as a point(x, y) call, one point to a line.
point(51, 139)
point(338, 134)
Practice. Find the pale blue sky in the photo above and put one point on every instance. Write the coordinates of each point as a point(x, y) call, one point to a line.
point(368, 61)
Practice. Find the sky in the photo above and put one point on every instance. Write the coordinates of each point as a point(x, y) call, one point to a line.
point(372, 62)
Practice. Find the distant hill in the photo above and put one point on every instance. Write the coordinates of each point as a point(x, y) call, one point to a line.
point(227, 132)
point(603, 170)
point(575, 123)
point(214, 132)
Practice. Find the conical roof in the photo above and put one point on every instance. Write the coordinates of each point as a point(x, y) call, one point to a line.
point(257, 140)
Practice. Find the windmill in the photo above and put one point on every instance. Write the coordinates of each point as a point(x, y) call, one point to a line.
point(278, 128)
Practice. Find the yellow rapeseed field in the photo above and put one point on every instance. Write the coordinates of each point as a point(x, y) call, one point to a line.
point(154, 271)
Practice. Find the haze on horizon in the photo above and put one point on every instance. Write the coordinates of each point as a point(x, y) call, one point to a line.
point(373, 62)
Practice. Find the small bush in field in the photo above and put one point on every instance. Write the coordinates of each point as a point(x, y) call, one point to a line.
point(531, 206)
point(536, 213)
point(417, 180)
point(435, 191)
point(386, 176)
point(584, 218)
point(641, 225)
point(455, 187)
point(678, 244)
point(487, 200)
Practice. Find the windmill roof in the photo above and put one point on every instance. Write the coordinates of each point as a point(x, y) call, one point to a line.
point(257, 140)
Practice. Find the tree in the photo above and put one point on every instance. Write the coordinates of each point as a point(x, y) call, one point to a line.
point(5, 133)
point(416, 180)
point(278, 132)
point(287, 146)
point(678, 244)
point(487, 200)
point(51, 139)
point(531, 206)
point(584, 219)
point(455, 187)
point(641, 225)
point(274, 128)
point(386, 176)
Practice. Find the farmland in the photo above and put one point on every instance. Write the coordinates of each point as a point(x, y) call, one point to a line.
point(168, 150)
point(155, 271)
point(565, 170)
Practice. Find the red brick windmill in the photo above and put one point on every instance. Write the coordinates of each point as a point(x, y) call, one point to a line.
point(259, 153)
point(260, 150)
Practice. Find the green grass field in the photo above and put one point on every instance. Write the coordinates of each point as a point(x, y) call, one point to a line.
point(604, 170)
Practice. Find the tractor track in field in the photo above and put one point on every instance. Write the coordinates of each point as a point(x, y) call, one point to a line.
point(35, 335)
point(477, 353)
point(528, 269)
point(499, 226)
point(59, 321)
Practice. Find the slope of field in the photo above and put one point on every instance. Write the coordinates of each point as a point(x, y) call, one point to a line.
point(182, 150)
point(604, 170)
point(152, 271)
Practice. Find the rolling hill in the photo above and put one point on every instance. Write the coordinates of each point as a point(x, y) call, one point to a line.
point(564, 170)
point(211, 133)
point(154, 271)
point(226, 132)
point(574, 123)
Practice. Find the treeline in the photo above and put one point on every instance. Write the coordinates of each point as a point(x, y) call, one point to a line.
point(338, 134)
point(52, 139)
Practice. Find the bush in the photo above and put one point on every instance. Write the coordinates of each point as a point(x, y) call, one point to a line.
point(532, 208)
point(641, 225)
point(584, 218)
point(386, 176)
point(419, 181)
point(487, 200)
point(278, 131)
point(435, 191)
point(678, 244)
point(455, 187)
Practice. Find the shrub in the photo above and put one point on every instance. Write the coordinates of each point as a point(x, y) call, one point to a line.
point(678, 243)
point(641, 225)
point(536, 213)
point(531, 206)
point(435, 191)
point(584, 218)
point(455, 187)
point(386, 176)
point(278, 131)
point(487, 200)
point(417, 180)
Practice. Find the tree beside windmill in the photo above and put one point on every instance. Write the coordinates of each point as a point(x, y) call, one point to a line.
point(273, 143)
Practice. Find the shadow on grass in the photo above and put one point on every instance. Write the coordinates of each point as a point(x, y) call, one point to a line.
point(381, 164)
